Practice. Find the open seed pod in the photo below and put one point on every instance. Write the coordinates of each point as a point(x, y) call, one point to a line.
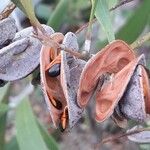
point(51, 87)
point(110, 94)
point(8, 30)
point(134, 102)
point(21, 57)
point(110, 59)
point(71, 69)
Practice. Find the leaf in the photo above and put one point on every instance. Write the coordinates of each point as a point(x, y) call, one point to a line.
point(98, 66)
point(3, 92)
point(28, 134)
point(3, 109)
point(103, 16)
point(12, 145)
point(58, 14)
point(27, 7)
point(4, 100)
point(135, 24)
point(49, 140)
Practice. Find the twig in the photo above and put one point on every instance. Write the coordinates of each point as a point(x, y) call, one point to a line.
point(140, 41)
point(120, 4)
point(94, 20)
point(115, 137)
point(109, 139)
point(7, 10)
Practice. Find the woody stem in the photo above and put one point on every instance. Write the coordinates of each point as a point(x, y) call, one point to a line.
point(140, 41)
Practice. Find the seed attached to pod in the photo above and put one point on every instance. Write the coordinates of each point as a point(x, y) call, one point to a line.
point(64, 120)
point(2, 83)
point(56, 103)
point(54, 71)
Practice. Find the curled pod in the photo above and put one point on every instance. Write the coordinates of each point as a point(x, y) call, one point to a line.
point(51, 87)
point(110, 59)
point(135, 102)
point(21, 57)
point(111, 93)
point(71, 69)
point(8, 30)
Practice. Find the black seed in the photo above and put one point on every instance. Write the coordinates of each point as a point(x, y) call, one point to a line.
point(2, 83)
point(54, 71)
point(57, 104)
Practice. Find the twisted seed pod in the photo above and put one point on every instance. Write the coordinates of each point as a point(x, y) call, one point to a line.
point(110, 59)
point(51, 87)
point(71, 69)
point(21, 57)
point(110, 94)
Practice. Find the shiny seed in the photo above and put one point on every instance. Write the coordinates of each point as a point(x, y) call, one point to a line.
point(54, 71)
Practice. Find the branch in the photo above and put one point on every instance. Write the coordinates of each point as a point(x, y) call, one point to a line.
point(140, 41)
point(116, 137)
point(7, 10)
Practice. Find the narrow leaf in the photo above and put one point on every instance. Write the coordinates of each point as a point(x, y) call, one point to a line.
point(4, 100)
point(12, 145)
point(58, 14)
point(28, 135)
point(49, 140)
point(103, 16)
point(3, 109)
point(136, 24)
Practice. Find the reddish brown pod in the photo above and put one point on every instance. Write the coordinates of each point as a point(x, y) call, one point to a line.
point(51, 87)
point(110, 59)
point(111, 92)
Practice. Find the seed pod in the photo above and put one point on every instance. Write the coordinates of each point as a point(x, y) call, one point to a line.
point(20, 58)
point(110, 59)
point(110, 94)
point(8, 30)
point(51, 85)
point(71, 69)
point(134, 102)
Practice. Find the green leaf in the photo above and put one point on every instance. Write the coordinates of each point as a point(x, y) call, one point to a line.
point(27, 7)
point(103, 16)
point(12, 145)
point(3, 109)
point(3, 91)
point(58, 14)
point(3, 116)
point(49, 140)
point(19, 5)
point(28, 134)
point(136, 24)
